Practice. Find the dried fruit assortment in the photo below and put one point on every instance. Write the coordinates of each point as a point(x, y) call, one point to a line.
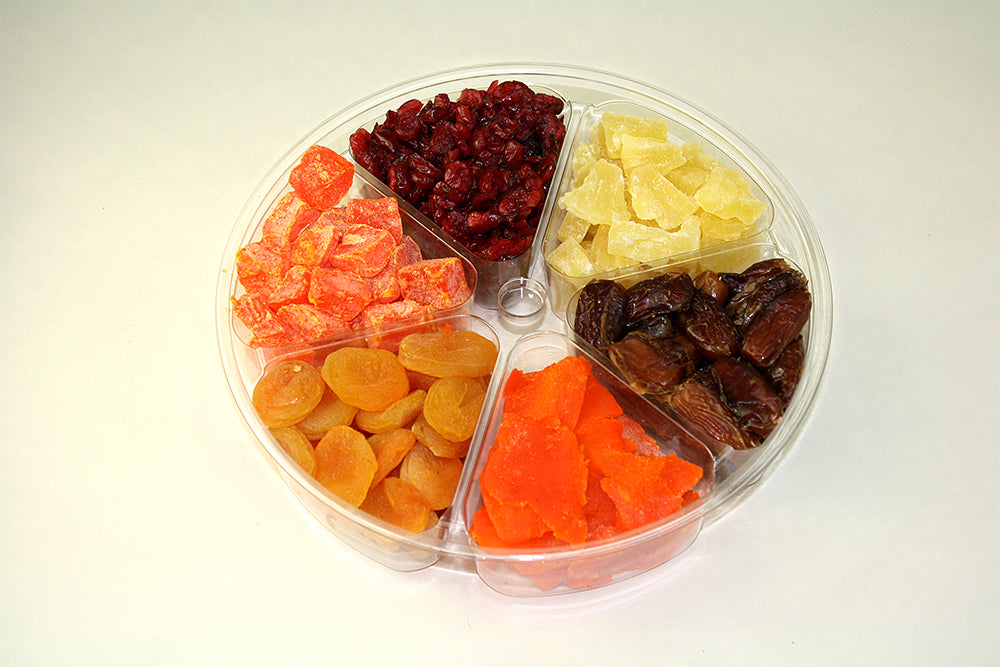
point(354, 345)
point(321, 268)
point(725, 351)
point(638, 197)
point(569, 466)
point(479, 166)
point(384, 431)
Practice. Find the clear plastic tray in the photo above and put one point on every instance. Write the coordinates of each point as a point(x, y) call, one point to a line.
point(527, 335)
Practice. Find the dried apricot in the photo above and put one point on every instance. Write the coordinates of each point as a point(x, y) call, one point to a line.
point(448, 353)
point(452, 406)
point(287, 393)
point(437, 443)
point(397, 415)
point(345, 464)
point(436, 477)
point(366, 378)
point(400, 503)
point(390, 448)
point(297, 445)
point(330, 412)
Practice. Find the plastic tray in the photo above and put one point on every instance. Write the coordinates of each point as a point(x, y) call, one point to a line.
point(526, 306)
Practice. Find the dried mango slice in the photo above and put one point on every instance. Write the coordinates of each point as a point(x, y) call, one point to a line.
point(345, 464)
point(539, 464)
point(598, 403)
point(322, 177)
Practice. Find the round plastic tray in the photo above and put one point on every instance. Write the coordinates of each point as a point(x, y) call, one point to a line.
point(505, 307)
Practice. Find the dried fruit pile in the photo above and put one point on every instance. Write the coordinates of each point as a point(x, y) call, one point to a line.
point(321, 269)
point(638, 197)
point(725, 351)
point(480, 167)
point(567, 466)
point(384, 431)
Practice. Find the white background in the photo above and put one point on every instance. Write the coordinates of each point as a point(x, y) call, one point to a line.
point(138, 524)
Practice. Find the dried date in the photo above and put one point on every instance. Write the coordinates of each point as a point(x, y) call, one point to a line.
point(777, 326)
point(744, 312)
point(650, 365)
point(711, 284)
point(748, 395)
point(703, 407)
point(669, 293)
point(600, 313)
point(709, 327)
point(786, 371)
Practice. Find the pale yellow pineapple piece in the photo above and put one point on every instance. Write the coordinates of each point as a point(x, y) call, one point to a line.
point(600, 199)
point(569, 258)
point(696, 156)
point(644, 243)
point(603, 259)
point(721, 229)
point(640, 151)
point(688, 178)
point(584, 157)
point(727, 194)
point(614, 126)
point(573, 227)
point(654, 197)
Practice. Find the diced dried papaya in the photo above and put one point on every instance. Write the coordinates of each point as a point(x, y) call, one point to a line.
point(260, 266)
point(362, 250)
point(322, 177)
point(293, 288)
point(338, 292)
point(379, 213)
point(380, 313)
point(288, 217)
point(309, 323)
point(644, 444)
point(313, 243)
point(265, 326)
point(437, 283)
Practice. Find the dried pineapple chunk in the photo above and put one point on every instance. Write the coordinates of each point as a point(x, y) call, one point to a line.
point(688, 178)
point(571, 259)
point(584, 157)
point(573, 227)
point(640, 151)
point(614, 126)
point(697, 157)
point(600, 199)
point(721, 229)
point(644, 243)
point(726, 194)
point(603, 259)
point(655, 198)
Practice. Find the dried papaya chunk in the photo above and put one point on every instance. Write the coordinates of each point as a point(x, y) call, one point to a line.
point(400, 503)
point(366, 378)
point(438, 283)
point(288, 392)
point(362, 250)
point(448, 353)
point(322, 177)
point(345, 464)
point(436, 477)
point(556, 390)
point(379, 213)
point(288, 218)
point(297, 445)
point(452, 406)
point(339, 293)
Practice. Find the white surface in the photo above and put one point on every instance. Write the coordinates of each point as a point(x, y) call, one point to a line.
point(139, 526)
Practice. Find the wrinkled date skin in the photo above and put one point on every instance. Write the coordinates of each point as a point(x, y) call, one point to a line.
point(651, 365)
point(600, 313)
point(725, 351)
